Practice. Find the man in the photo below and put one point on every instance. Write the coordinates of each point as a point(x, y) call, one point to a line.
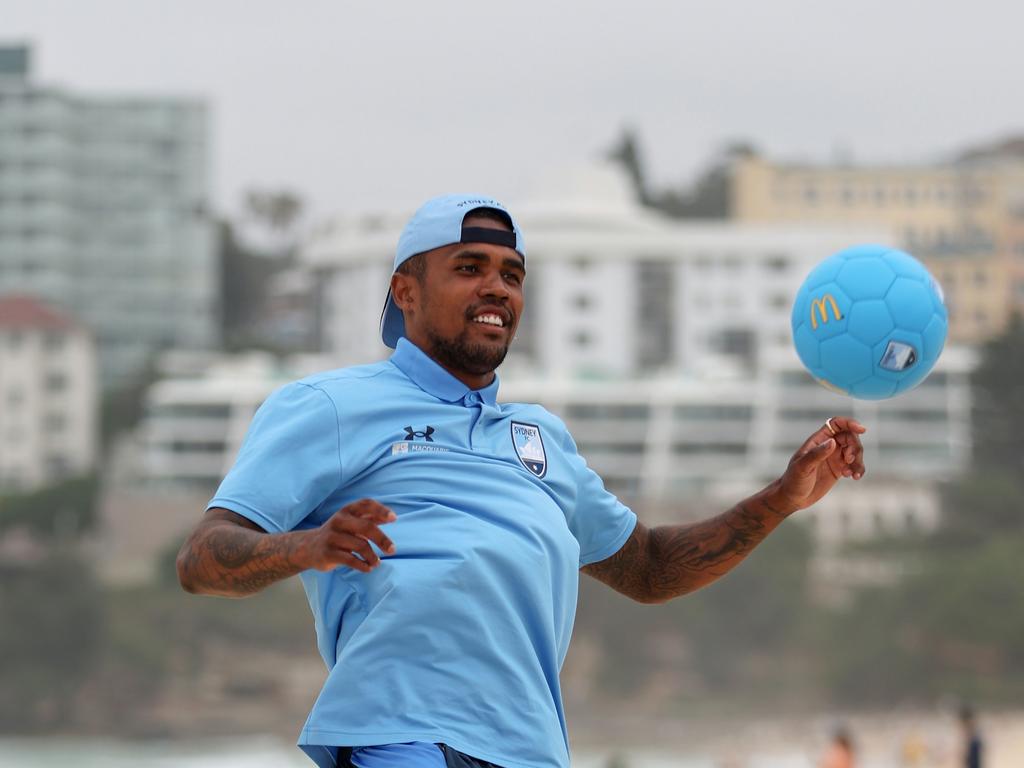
point(444, 636)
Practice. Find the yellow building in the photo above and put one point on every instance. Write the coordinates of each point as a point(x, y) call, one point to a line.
point(964, 220)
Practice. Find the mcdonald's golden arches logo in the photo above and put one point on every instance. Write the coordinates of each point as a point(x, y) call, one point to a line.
point(821, 305)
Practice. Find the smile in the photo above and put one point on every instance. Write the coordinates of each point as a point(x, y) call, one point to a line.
point(490, 319)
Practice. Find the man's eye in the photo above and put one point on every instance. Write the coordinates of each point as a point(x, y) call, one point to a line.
point(467, 268)
point(512, 277)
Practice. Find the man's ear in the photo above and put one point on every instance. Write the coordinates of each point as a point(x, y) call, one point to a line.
point(404, 290)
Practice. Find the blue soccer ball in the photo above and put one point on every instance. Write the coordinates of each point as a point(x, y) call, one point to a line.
point(869, 322)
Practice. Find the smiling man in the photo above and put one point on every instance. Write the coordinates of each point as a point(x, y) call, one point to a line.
point(444, 637)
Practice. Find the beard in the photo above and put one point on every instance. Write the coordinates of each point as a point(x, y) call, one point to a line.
point(459, 354)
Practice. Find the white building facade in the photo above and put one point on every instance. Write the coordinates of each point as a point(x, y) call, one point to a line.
point(48, 396)
point(103, 213)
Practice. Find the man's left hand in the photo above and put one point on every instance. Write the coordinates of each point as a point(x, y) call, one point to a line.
point(831, 453)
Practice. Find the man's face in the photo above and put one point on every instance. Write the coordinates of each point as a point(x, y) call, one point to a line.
point(465, 311)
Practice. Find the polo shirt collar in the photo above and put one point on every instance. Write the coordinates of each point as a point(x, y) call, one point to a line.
point(435, 380)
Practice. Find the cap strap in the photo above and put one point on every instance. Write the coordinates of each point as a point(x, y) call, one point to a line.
point(486, 235)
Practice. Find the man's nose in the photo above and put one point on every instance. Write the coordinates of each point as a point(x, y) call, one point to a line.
point(494, 285)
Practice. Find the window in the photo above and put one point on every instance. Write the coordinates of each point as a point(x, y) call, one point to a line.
point(55, 422)
point(581, 339)
point(56, 382)
point(581, 301)
point(655, 306)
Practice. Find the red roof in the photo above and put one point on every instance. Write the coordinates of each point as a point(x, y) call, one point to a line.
point(29, 313)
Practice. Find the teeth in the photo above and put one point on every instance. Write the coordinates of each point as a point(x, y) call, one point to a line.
point(490, 320)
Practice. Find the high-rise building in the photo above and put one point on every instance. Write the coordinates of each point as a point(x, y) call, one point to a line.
point(104, 214)
point(48, 395)
point(962, 218)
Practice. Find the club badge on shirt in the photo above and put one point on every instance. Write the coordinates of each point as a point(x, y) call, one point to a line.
point(529, 447)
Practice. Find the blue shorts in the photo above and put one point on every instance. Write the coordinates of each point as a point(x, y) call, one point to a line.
point(416, 754)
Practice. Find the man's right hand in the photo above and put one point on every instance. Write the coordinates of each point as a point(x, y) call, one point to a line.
point(229, 555)
point(344, 539)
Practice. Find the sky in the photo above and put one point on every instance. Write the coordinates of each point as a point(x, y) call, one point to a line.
point(361, 107)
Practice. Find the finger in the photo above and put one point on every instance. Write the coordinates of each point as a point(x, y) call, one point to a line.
point(852, 453)
point(356, 545)
point(351, 561)
point(367, 529)
point(809, 461)
point(846, 424)
point(369, 509)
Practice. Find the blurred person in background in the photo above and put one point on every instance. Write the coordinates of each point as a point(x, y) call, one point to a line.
point(444, 636)
point(840, 753)
point(972, 749)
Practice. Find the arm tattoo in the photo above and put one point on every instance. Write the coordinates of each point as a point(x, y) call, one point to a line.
point(228, 555)
point(665, 562)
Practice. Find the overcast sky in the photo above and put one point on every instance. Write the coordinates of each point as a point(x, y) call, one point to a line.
point(362, 106)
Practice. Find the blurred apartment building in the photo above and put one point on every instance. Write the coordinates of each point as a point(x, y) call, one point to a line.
point(103, 213)
point(963, 218)
point(665, 346)
point(48, 395)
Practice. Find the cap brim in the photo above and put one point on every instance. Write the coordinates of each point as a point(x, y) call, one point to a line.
point(392, 322)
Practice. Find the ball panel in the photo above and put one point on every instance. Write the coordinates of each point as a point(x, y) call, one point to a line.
point(864, 250)
point(905, 265)
point(866, 278)
point(938, 297)
point(912, 379)
point(933, 338)
point(807, 347)
point(910, 304)
point(845, 360)
point(825, 272)
point(869, 321)
point(874, 388)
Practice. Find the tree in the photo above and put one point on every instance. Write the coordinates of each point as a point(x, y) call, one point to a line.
point(626, 152)
point(64, 510)
point(51, 613)
point(709, 197)
point(998, 390)
point(277, 209)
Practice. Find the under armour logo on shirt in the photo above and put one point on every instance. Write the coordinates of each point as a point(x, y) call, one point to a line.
point(411, 434)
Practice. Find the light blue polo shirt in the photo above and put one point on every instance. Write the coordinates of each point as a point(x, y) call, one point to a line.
point(460, 635)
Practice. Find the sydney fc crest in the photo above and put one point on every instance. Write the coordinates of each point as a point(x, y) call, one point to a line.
point(529, 447)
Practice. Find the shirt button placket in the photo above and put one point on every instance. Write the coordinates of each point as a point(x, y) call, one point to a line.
point(472, 400)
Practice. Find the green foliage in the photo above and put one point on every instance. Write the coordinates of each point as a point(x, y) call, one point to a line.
point(956, 626)
point(708, 197)
point(63, 511)
point(754, 611)
point(121, 408)
point(244, 277)
point(998, 391)
point(49, 640)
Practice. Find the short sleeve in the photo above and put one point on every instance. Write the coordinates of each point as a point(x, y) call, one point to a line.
point(599, 522)
point(289, 462)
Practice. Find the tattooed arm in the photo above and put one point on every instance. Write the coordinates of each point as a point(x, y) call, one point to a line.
point(231, 556)
point(655, 565)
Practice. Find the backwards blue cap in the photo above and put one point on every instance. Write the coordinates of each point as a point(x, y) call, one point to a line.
point(437, 223)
